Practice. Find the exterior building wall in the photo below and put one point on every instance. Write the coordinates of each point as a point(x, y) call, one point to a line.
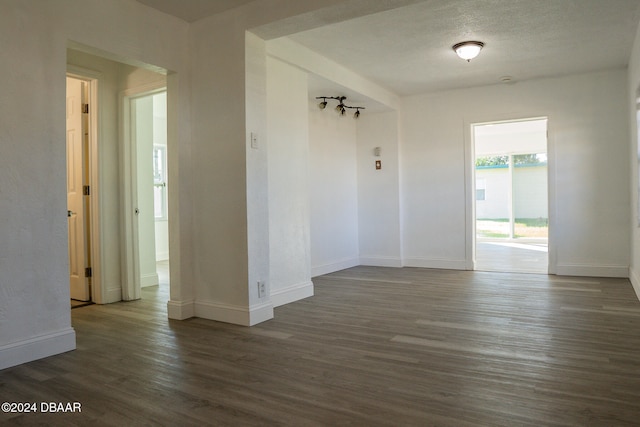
point(529, 188)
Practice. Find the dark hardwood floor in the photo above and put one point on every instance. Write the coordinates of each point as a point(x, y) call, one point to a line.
point(375, 346)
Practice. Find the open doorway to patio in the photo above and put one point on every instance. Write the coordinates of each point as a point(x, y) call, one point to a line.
point(511, 202)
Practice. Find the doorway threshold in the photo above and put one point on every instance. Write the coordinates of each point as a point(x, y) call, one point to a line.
point(78, 304)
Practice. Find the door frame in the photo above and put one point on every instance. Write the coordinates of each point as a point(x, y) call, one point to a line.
point(92, 78)
point(130, 272)
point(470, 185)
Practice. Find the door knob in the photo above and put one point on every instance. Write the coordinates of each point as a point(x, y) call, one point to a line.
point(137, 211)
point(70, 213)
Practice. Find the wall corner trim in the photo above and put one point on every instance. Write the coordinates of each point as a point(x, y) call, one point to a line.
point(180, 310)
point(238, 315)
point(635, 282)
point(37, 347)
point(292, 293)
point(259, 313)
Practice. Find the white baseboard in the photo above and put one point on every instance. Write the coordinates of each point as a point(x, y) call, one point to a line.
point(635, 282)
point(380, 261)
point(113, 295)
point(334, 266)
point(445, 264)
point(259, 313)
point(238, 315)
point(162, 256)
point(38, 347)
point(592, 270)
point(181, 310)
point(291, 294)
point(149, 280)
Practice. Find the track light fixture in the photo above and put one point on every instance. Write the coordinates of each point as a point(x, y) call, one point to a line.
point(341, 107)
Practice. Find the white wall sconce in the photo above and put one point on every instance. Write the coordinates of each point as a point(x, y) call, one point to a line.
point(468, 50)
point(341, 107)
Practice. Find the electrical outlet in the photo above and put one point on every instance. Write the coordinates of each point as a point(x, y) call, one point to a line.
point(261, 289)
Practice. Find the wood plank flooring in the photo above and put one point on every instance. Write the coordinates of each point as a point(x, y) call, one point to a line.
point(374, 347)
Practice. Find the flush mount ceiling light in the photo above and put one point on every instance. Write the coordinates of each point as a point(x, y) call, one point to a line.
point(468, 50)
point(341, 107)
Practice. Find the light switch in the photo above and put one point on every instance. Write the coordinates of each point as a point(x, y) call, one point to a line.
point(254, 140)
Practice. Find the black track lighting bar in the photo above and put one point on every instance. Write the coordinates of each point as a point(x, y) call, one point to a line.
point(341, 107)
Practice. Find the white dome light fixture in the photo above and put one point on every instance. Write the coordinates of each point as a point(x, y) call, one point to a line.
point(468, 50)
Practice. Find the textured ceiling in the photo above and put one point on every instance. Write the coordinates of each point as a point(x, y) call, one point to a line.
point(408, 50)
point(192, 10)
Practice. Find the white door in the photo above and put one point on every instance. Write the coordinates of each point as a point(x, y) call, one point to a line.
point(75, 196)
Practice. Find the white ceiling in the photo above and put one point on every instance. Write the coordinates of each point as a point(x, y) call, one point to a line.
point(192, 10)
point(408, 49)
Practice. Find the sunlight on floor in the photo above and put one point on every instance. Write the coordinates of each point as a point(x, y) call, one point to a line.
point(510, 256)
point(541, 247)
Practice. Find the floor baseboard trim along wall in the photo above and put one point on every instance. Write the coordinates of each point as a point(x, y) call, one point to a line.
point(591, 270)
point(380, 261)
point(245, 316)
point(259, 313)
point(635, 282)
point(113, 295)
point(334, 266)
point(181, 310)
point(149, 280)
point(37, 347)
point(291, 293)
point(446, 264)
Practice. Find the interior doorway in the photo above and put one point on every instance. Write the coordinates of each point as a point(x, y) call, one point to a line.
point(146, 163)
point(77, 187)
point(82, 183)
point(511, 220)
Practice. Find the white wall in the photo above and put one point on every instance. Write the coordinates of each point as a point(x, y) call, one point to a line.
point(634, 159)
point(289, 213)
point(338, 183)
point(334, 190)
point(379, 228)
point(216, 187)
point(217, 94)
point(34, 285)
point(588, 134)
point(230, 104)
